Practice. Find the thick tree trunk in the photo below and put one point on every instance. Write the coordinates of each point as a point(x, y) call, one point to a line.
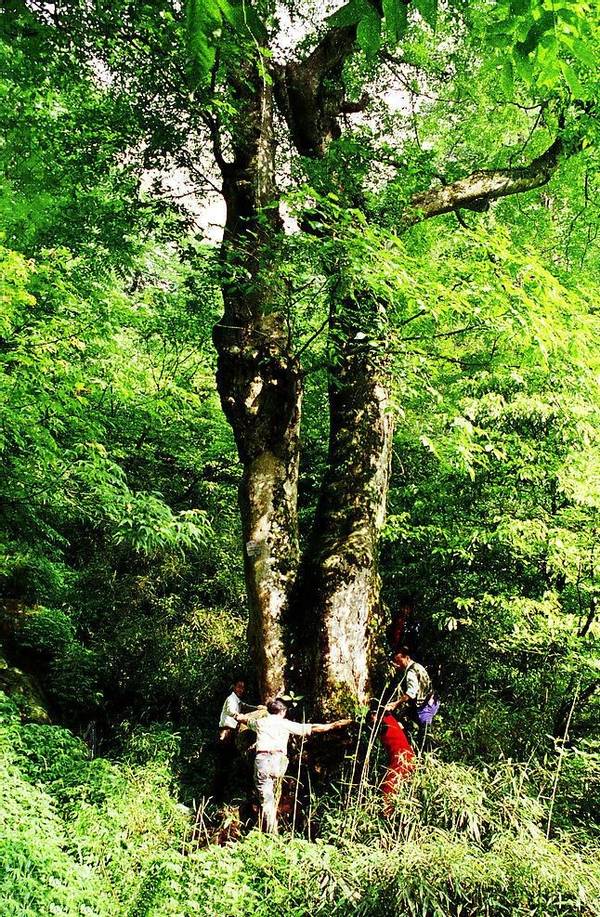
point(337, 599)
point(340, 582)
point(260, 387)
point(260, 390)
point(259, 382)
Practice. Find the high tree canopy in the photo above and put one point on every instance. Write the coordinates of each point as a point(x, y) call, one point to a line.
point(336, 137)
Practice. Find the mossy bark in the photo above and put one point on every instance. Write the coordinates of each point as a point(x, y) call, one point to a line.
point(340, 583)
point(324, 620)
point(24, 690)
point(258, 379)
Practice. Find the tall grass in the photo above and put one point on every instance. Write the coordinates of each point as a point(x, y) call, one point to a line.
point(90, 838)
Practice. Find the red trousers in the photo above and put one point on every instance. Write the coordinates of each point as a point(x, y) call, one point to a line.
point(401, 757)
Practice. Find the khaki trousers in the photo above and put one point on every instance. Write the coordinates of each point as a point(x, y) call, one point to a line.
point(269, 771)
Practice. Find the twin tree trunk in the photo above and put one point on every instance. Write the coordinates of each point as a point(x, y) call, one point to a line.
point(310, 622)
point(259, 383)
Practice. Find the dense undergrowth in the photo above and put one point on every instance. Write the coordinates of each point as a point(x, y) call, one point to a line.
point(124, 611)
point(88, 837)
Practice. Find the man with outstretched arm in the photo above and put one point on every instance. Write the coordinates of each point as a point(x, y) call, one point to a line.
point(272, 735)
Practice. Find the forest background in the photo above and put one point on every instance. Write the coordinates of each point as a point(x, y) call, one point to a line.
point(435, 235)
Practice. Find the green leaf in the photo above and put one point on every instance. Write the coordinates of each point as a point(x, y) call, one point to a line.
point(507, 78)
point(519, 7)
point(203, 20)
point(349, 14)
point(368, 33)
point(204, 23)
point(396, 19)
point(523, 67)
point(227, 11)
point(572, 80)
point(428, 10)
point(585, 54)
point(246, 21)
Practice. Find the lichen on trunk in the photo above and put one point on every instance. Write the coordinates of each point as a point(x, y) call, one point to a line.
point(340, 591)
point(268, 505)
point(325, 630)
point(258, 379)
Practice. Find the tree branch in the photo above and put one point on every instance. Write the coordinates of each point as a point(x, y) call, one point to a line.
point(476, 191)
point(310, 93)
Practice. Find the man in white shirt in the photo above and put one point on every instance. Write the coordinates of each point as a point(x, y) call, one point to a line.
point(272, 735)
point(232, 706)
point(228, 725)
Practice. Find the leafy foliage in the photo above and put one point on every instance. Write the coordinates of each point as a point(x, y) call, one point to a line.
point(552, 44)
point(120, 547)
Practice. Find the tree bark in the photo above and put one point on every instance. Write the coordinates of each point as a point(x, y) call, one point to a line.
point(340, 583)
point(337, 599)
point(258, 380)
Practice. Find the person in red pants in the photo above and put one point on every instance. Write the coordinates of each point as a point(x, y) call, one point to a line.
point(400, 756)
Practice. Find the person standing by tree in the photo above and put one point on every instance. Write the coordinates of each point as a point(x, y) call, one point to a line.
point(182, 74)
point(417, 697)
point(400, 754)
point(272, 736)
point(228, 727)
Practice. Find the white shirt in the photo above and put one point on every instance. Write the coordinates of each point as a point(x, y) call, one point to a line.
point(417, 683)
point(273, 732)
point(412, 684)
point(231, 706)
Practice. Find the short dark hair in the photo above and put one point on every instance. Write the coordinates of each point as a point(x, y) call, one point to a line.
point(276, 706)
point(402, 651)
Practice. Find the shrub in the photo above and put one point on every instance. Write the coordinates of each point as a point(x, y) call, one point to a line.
point(83, 837)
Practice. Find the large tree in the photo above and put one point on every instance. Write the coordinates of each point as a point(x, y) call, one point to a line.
point(264, 98)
